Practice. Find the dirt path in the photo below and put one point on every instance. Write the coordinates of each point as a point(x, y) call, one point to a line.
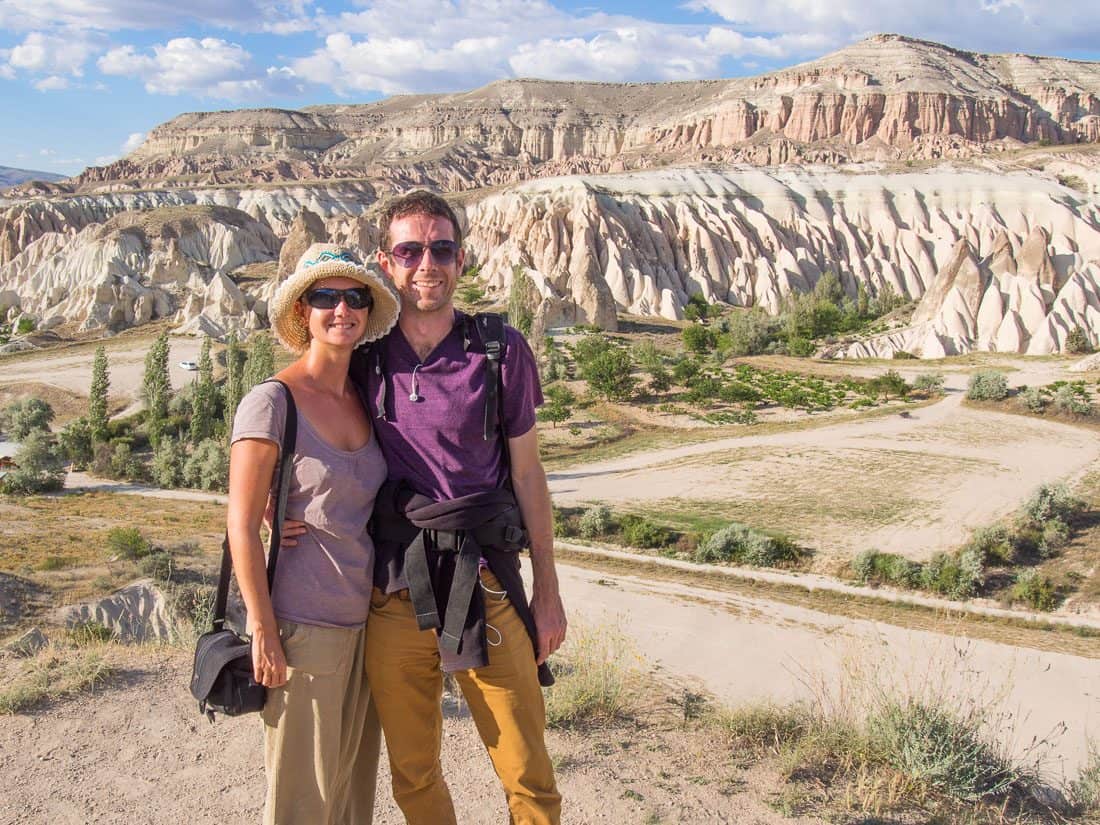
point(910, 484)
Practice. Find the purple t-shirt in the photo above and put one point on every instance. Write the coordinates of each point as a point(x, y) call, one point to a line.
point(436, 443)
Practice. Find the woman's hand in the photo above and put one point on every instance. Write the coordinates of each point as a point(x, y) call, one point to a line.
point(268, 659)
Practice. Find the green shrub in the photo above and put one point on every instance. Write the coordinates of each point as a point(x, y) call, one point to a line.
point(699, 339)
point(41, 467)
point(994, 542)
point(953, 576)
point(167, 469)
point(873, 567)
point(902, 355)
point(608, 374)
point(747, 333)
point(800, 347)
point(929, 383)
point(158, 565)
point(1035, 590)
point(1077, 342)
point(932, 745)
point(1033, 399)
point(683, 371)
point(1052, 502)
point(1054, 537)
point(128, 543)
point(208, 466)
point(21, 418)
point(1069, 400)
point(596, 521)
point(742, 544)
point(638, 531)
point(987, 385)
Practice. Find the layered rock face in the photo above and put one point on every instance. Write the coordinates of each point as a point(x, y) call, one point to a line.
point(136, 267)
point(988, 254)
point(887, 97)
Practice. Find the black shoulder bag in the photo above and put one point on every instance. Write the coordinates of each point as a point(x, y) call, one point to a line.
point(222, 679)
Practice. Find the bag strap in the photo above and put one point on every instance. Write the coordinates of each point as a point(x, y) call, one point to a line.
point(286, 455)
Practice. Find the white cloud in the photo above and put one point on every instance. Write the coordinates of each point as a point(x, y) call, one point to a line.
point(987, 25)
point(208, 68)
point(53, 83)
point(53, 54)
point(276, 16)
point(133, 142)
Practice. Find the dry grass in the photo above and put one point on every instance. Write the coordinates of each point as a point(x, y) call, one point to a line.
point(597, 675)
point(57, 671)
point(60, 541)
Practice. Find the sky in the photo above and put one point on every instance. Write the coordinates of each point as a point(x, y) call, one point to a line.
point(83, 81)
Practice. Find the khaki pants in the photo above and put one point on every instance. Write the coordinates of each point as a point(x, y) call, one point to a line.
point(321, 737)
point(504, 698)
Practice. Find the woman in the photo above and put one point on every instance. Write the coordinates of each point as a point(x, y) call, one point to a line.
point(308, 633)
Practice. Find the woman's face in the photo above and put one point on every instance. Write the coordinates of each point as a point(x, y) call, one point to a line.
point(340, 326)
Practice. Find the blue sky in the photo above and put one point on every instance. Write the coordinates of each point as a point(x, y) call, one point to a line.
point(84, 80)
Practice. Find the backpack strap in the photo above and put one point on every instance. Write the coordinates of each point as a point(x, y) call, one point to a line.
point(286, 455)
point(490, 328)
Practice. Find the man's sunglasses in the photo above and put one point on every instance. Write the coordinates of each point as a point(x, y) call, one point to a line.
point(409, 253)
point(358, 297)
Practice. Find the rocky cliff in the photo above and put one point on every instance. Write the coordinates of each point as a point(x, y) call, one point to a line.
point(887, 97)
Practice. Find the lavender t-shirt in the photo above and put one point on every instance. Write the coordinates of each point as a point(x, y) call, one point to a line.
point(436, 442)
point(326, 580)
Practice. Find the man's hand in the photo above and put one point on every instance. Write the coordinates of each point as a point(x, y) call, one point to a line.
point(291, 529)
point(549, 614)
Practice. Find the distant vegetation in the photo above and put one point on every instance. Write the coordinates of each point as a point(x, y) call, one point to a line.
point(1065, 399)
point(179, 439)
point(997, 561)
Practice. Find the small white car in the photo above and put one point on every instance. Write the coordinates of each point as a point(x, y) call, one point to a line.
point(190, 366)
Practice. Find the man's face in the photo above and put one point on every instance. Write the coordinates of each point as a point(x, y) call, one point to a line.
point(426, 285)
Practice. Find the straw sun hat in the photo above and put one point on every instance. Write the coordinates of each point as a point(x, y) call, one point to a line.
point(320, 261)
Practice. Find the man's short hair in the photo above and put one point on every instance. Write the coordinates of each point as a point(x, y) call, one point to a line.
point(418, 202)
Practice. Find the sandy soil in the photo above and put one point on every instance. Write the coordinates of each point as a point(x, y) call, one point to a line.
point(911, 484)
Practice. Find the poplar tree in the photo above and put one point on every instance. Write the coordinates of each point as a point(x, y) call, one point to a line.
point(234, 378)
point(202, 397)
point(97, 400)
point(261, 362)
point(156, 387)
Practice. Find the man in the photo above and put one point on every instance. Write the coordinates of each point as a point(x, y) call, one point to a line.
point(466, 489)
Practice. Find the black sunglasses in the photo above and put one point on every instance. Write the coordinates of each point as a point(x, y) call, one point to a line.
point(409, 253)
point(358, 297)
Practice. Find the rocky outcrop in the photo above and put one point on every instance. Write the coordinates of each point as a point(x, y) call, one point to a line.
point(136, 613)
point(887, 97)
point(306, 230)
point(139, 266)
point(999, 261)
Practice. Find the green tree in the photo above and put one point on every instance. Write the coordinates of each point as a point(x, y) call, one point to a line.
point(889, 383)
point(608, 374)
point(97, 398)
point(696, 308)
point(660, 379)
point(233, 390)
point(203, 397)
point(208, 466)
point(167, 466)
point(558, 406)
point(156, 387)
point(21, 418)
point(523, 299)
point(76, 442)
point(863, 300)
point(261, 362)
point(41, 466)
point(698, 339)
point(1077, 342)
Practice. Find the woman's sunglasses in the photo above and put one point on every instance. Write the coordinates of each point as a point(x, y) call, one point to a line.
point(358, 297)
point(409, 253)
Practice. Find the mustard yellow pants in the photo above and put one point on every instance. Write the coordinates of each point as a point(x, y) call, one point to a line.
point(504, 698)
point(321, 737)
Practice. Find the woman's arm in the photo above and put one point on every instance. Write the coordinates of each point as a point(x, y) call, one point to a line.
point(251, 466)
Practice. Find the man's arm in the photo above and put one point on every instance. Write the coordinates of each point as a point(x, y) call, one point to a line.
point(529, 484)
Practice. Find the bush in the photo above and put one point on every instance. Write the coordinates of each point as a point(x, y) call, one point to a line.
point(929, 383)
point(124, 464)
point(1035, 590)
point(167, 469)
point(800, 347)
point(1054, 537)
point(873, 567)
point(208, 466)
point(953, 576)
point(1069, 400)
point(596, 521)
point(903, 355)
point(608, 374)
point(21, 418)
point(993, 543)
point(1033, 399)
point(638, 531)
point(742, 544)
point(987, 385)
point(747, 333)
point(1077, 342)
point(128, 543)
point(41, 467)
point(934, 746)
point(699, 339)
point(157, 565)
point(1052, 502)
point(595, 673)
